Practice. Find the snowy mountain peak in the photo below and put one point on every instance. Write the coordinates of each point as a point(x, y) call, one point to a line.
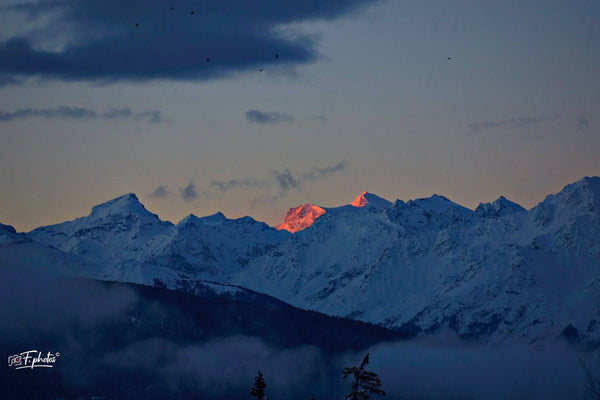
point(300, 217)
point(7, 233)
point(434, 213)
point(584, 192)
point(499, 208)
point(588, 187)
point(188, 219)
point(122, 205)
point(581, 197)
point(214, 219)
point(592, 181)
point(440, 204)
point(7, 228)
point(366, 198)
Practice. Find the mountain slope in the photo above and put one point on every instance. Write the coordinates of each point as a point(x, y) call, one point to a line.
point(43, 260)
point(430, 265)
point(125, 341)
point(134, 245)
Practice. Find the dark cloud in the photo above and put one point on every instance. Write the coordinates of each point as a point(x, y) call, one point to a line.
point(582, 123)
point(233, 183)
point(68, 112)
point(287, 181)
point(514, 123)
point(62, 112)
point(160, 192)
point(268, 117)
point(153, 117)
point(440, 369)
point(224, 368)
point(101, 41)
point(118, 113)
point(189, 192)
point(284, 180)
point(317, 173)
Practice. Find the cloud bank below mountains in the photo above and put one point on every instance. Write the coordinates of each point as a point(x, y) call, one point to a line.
point(46, 310)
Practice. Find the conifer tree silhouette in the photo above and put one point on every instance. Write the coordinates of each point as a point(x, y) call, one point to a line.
point(365, 382)
point(258, 390)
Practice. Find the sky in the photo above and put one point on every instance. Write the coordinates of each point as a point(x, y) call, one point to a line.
point(253, 107)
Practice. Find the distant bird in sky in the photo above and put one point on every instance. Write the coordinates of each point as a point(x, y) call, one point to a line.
point(172, 8)
point(193, 12)
point(449, 58)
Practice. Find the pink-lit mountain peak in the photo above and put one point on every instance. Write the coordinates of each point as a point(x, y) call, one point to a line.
point(303, 216)
point(300, 217)
point(370, 199)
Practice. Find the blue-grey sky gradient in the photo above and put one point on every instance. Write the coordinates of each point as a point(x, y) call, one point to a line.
point(468, 99)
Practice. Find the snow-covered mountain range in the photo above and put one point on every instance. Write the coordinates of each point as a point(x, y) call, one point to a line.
point(134, 245)
point(428, 265)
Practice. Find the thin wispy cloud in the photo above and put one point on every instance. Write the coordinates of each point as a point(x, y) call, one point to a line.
point(286, 180)
point(189, 193)
point(268, 117)
point(160, 192)
point(321, 118)
point(317, 173)
point(234, 183)
point(81, 113)
point(62, 112)
point(582, 123)
point(118, 113)
point(152, 117)
point(282, 180)
point(112, 40)
point(512, 123)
